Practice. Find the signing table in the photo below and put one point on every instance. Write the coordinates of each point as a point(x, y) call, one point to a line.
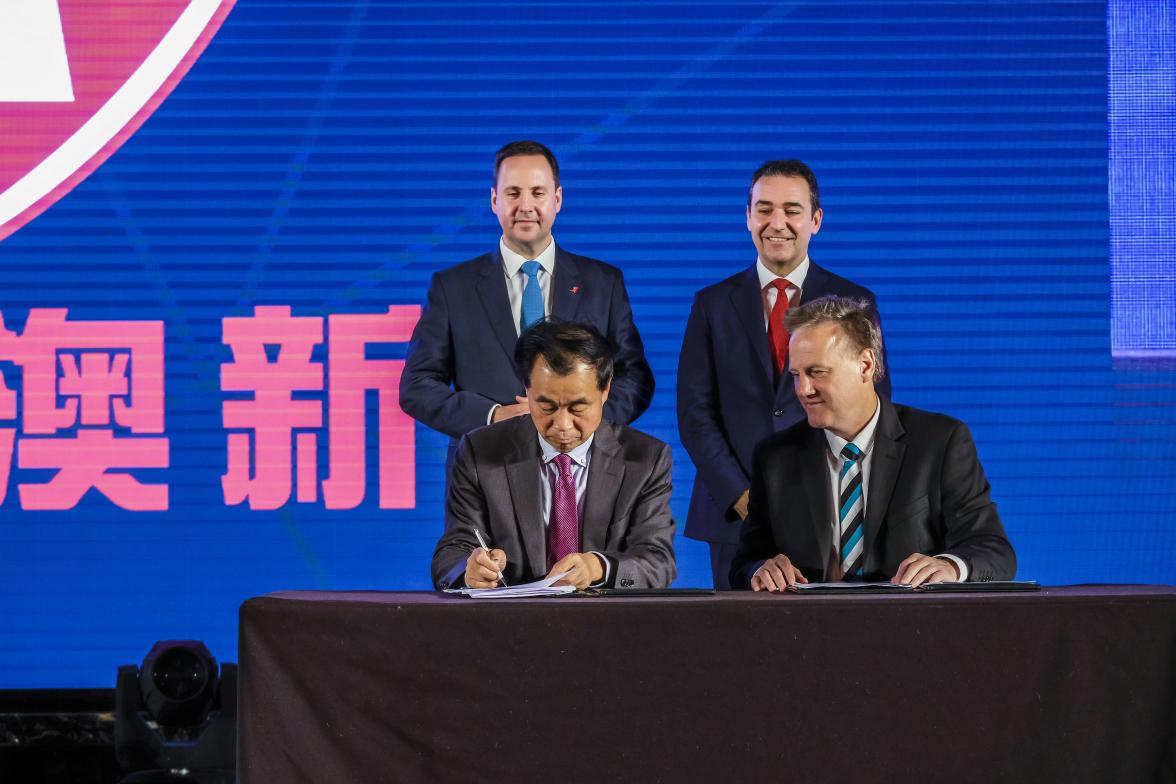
point(1072, 684)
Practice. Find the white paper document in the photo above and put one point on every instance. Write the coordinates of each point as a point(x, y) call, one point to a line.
point(542, 587)
point(801, 587)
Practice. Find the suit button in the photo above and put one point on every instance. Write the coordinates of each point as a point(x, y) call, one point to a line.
point(778, 412)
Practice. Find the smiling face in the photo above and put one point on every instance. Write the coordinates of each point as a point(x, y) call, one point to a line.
point(526, 200)
point(781, 221)
point(567, 409)
point(834, 380)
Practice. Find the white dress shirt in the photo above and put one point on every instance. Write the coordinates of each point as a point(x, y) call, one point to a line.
point(864, 441)
point(549, 474)
point(516, 281)
point(795, 284)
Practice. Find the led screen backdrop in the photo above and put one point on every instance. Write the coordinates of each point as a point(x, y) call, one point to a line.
point(1142, 173)
point(204, 325)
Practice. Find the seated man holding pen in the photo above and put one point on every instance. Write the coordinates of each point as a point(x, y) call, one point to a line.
point(559, 490)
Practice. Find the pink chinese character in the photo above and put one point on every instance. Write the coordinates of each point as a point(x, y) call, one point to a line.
point(7, 413)
point(88, 393)
point(350, 376)
point(273, 414)
point(84, 461)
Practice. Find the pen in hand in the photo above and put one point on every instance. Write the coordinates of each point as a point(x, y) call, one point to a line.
point(482, 542)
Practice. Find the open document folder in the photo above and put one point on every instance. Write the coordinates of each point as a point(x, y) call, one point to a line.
point(993, 586)
point(846, 587)
point(542, 587)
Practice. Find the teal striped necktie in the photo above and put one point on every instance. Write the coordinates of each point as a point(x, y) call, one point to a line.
point(851, 509)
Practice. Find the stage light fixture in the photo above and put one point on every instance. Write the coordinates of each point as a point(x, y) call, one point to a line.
point(177, 681)
point(175, 720)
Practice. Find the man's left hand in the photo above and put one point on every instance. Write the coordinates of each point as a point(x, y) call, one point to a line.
point(918, 569)
point(583, 569)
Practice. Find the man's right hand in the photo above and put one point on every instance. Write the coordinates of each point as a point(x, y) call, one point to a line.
point(776, 574)
point(482, 568)
point(518, 408)
point(740, 506)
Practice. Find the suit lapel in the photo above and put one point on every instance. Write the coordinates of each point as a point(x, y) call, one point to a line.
point(814, 470)
point(884, 467)
point(522, 469)
point(747, 300)
point(815, 283)
point(606, 471)
point(496, 302)
point(566, 292)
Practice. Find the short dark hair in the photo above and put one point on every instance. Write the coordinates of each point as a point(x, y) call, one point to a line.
point(857, 318)
point(515, 149)
point(788, 168)
point(562, 344)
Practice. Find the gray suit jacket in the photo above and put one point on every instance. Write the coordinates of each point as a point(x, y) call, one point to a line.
point(494, 487)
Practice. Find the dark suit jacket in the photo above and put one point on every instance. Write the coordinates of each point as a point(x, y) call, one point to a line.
point(494, 487)
point(461, 359)
point(727, 399)
point(926, 494)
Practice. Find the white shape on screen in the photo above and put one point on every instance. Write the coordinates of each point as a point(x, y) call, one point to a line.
point(33, 62)
point(114, 114)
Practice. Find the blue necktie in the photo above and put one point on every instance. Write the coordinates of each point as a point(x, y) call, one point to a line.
point(850, 512)
point(532, 296)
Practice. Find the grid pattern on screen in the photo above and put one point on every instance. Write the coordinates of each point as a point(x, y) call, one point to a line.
point(1142, 177)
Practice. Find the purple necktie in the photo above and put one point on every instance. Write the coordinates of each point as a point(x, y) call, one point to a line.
point(563, 526)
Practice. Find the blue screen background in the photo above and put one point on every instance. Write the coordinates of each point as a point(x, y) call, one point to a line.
point(998, 173)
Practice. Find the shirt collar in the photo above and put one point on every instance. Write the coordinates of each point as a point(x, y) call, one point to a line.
point(863, 440)
point(579, 455)
point(796, 277)
point(511, 261)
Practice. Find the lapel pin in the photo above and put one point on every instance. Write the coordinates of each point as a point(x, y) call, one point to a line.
point(574, 289)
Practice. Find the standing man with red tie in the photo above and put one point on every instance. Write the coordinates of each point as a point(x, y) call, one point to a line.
point(733, 383)
point(459, 373)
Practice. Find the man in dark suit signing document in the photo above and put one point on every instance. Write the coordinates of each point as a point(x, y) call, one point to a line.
point(559, 490)
point(863, 489)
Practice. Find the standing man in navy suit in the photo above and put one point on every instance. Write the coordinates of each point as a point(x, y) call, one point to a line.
point(460, 373)
point(733, 383)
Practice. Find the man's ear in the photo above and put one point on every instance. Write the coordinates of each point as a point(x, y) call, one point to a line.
point(868, 364)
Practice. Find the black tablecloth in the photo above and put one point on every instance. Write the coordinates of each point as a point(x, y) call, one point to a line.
point(1066, 685)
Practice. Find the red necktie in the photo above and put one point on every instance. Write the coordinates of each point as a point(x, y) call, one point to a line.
point(777, 334)
point(563, 525)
